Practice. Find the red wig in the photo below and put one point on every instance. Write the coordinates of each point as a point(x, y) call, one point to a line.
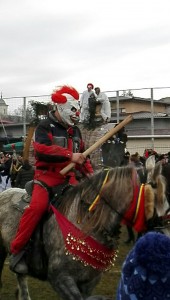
point(58, 96)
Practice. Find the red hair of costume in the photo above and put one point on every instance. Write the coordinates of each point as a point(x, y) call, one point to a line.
point(58, 96)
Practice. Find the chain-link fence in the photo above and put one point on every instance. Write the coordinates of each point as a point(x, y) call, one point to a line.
point(18, 111)
point(16, 104)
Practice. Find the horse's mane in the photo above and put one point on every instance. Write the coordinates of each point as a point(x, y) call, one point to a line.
point(112, 197)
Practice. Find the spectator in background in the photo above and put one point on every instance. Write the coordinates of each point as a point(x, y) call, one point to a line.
point(25, 174)
point(149, 152)
point(5, 171)
point(104, 100)
point(146, 270)
point(166, 173)
point(84, 103)
point(16, 165)
point(126, 159)
point(136, 161)
point(163, 158)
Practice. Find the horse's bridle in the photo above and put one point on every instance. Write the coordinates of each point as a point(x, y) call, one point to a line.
point(156, 223)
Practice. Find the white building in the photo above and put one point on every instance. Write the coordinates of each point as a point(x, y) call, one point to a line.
point(3, 107)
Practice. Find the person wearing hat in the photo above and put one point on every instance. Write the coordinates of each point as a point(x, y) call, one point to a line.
point(146, 270)
point(84, 102)
point(58, 143)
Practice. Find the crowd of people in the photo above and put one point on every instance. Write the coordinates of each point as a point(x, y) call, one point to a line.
point(14, 171)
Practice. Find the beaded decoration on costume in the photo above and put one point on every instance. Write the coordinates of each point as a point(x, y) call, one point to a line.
point(84, 248)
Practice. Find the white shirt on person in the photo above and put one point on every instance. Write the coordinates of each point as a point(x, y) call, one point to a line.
point(106, 108)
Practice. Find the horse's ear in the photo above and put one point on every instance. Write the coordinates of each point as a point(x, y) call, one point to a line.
point(150, 163)
point(153, 169)
point(157, 171)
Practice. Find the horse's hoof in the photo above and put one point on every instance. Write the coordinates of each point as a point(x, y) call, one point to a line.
point(17, 264)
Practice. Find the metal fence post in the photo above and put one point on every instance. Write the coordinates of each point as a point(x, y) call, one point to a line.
point(152, 119)
point(117, 105)
point(24, 116)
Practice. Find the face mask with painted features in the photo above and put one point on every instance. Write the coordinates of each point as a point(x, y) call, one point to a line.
point(69, 112)
point(66, 100)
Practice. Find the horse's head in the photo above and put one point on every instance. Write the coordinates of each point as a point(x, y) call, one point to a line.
point(104, 201)
point(101, 202)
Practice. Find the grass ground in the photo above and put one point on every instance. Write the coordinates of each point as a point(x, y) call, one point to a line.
point(43, 291)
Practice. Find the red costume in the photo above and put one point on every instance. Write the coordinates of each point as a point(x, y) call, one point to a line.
point(54, 145)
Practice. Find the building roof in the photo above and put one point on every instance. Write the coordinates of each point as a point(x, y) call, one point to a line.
point(148, 115)
point(165, 100)
point(2, 102)
point(140, 115)
point(140, 99)
point(5, 122)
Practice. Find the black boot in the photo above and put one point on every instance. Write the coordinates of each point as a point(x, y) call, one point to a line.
point(17, 263)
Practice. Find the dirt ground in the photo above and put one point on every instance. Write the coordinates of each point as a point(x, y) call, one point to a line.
point(42, 290)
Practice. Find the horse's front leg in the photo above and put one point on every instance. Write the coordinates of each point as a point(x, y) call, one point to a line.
point(22, 292)
point(3, 255)
point(86, 288)
point(64, 285)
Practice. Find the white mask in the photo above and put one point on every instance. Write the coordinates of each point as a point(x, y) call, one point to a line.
point(66, 99)
point(69, 116)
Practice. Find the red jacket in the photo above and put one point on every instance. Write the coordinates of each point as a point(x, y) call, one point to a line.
point(54, 145)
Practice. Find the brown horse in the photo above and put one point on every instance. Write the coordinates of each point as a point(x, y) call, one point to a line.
point(80, 234)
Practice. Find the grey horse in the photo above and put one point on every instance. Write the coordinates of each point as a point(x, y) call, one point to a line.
point(79, 242)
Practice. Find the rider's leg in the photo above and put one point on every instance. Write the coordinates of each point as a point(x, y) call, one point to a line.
point(28, 222)
point(30, 218)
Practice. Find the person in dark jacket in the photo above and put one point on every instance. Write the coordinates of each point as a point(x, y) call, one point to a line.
point(5, 166)
point(25, 174)
point(57, 143)
point(16, 165)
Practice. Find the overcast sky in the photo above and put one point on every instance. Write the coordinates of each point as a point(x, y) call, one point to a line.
point(121, 44)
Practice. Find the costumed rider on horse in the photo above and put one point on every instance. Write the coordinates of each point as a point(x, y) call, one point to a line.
point(58, 142)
